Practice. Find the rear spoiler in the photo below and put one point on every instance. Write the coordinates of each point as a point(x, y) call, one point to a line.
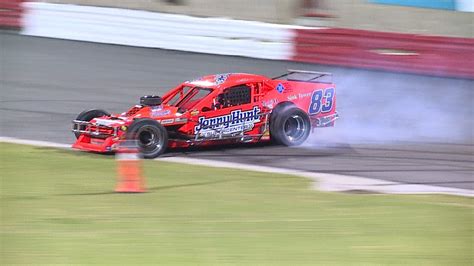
point(306, 76)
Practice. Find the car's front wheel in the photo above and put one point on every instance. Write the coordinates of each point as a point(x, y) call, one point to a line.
point(151, 137)
point(290, 126)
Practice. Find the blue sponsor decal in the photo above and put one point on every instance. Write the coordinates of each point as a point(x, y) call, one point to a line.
point(221, 78)
point(280, 88)
point(157, 111)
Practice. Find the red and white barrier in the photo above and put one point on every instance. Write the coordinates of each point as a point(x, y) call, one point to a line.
point(11, 12)
point(433, 55)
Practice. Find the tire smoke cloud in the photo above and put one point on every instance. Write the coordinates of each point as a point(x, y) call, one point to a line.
point(387, 109)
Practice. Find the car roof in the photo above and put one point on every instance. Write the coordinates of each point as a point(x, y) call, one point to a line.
point(221, 81)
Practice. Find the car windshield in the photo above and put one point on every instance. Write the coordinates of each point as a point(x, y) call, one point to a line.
point(178, 96)
point(187, 97)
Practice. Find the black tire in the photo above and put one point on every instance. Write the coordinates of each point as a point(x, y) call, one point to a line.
point(88, 116)
point(151, 137)
point(289, 125)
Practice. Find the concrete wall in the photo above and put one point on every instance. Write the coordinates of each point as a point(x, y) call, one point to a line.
point(159, 30)
point(359, 14)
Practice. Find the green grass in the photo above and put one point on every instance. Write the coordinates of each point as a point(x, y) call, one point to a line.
point(58, 207)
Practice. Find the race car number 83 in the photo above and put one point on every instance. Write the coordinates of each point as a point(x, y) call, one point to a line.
point(316, 106)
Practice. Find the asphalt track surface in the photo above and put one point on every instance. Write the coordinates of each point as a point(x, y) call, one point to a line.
point(398, 127)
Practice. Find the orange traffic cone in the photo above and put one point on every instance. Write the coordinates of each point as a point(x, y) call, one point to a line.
point(130, 179)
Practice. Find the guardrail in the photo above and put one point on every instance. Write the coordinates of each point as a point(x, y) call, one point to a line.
point(158, 30)
point(444, 56)
point(432, 55)
point(11, 12)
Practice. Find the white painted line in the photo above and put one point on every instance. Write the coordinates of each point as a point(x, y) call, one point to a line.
point(332, 182)
point(323, 181)
point(38, 143)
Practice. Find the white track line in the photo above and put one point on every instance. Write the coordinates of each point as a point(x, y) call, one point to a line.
point(323, 181)
point(332, 182)
point(38, 143)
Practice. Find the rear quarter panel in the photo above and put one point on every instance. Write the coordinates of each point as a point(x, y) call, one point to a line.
point(316, 99)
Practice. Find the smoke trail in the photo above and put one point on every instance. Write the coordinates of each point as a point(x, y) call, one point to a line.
point(389, 107)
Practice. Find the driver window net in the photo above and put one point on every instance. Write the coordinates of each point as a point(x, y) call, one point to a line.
point(237, 95)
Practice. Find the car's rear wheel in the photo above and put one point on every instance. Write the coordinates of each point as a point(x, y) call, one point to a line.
point(151, 137)
point(88, 116)
point(289, 125)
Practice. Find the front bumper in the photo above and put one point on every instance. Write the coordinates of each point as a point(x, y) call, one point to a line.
point(88, 143)
point(95, 137)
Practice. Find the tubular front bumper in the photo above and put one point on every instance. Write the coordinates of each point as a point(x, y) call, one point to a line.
point(85, 127)
point(95, 138)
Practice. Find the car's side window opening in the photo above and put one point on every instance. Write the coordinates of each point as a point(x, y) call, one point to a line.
point(234, 96)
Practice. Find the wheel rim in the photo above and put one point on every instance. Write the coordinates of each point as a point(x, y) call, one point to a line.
point(149, 139)
point(295, 128)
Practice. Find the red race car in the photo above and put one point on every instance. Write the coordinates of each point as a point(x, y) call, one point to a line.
point(216, 109)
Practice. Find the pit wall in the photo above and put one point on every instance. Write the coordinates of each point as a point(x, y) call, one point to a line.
point(356, 14)
point(421, 54)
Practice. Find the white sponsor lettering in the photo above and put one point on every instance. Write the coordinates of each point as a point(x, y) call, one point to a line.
point(236, 121)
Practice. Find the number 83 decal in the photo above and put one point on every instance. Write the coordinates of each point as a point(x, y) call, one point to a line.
point(316, 106)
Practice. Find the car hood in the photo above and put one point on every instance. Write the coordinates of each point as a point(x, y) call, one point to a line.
point(159, 112)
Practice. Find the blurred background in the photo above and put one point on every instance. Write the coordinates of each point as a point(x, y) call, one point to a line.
point(430, 17)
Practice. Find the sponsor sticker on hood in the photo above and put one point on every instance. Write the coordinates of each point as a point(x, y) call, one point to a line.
point(107, 122)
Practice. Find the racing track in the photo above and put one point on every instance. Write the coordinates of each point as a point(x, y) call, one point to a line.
point(398, 127)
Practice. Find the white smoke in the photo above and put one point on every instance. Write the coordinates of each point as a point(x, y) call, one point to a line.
point(395, 108)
